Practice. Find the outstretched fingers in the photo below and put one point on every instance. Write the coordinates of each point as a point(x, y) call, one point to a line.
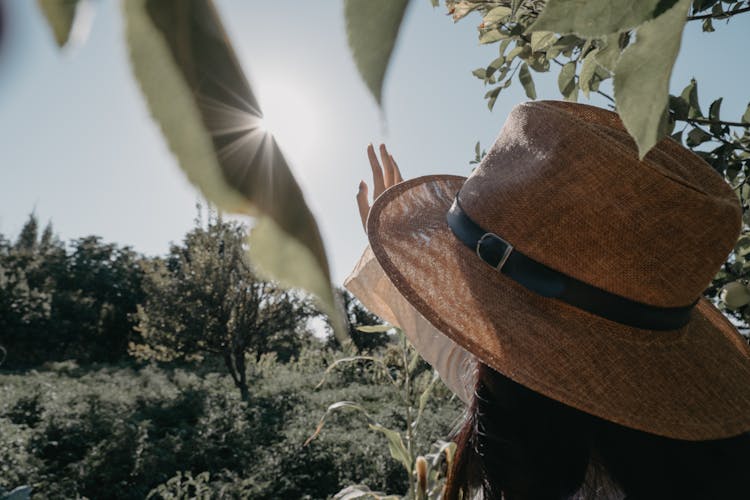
point(383, 176)
point(378, 183)
point(396, 171)
point(363, 203)
point(388, 169)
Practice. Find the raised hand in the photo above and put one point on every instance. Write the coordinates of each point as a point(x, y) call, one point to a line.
point(383, 177)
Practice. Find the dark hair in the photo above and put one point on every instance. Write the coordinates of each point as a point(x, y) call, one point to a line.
point(516, 444)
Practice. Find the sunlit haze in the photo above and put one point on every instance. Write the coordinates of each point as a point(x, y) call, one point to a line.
point(80, 149)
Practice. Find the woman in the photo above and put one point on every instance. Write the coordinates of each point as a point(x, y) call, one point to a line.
point(557, 291)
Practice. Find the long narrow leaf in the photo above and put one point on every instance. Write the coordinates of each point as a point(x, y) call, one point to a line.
point(642, 75)
point(372, 28)
point(336, 406)
point(60, 15)
point(425, 396)
point(198, 94)
point(395, 446)
point(349, 359)
point(375, 328)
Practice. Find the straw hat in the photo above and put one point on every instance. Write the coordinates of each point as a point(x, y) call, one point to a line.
point(577, 270)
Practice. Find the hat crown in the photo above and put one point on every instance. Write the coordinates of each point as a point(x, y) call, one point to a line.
point(563, 184)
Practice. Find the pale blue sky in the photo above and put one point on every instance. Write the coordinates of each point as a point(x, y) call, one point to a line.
point(78, 145)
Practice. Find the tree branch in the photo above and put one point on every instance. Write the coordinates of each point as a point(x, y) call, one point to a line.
point(720, 139)
point(723, 15)
point(607, 96)
point(705, 121)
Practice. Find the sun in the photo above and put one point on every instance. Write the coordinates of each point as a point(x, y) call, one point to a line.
point(291, 114)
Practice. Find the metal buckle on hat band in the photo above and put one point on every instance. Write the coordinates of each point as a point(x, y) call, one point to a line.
point(508, 248)
point(551, 283)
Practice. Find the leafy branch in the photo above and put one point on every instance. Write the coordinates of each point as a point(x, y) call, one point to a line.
point(705, 121)
point(721, 15)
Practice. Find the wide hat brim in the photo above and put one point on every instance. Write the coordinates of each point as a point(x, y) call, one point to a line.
point(691, 384)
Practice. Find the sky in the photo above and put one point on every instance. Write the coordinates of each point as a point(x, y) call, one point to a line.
point(80, 149)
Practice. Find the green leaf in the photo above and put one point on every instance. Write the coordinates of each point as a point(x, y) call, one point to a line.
point(375, 328)
point(528, 83)
point(608, 55)
point(492, 67)
point(690, 95)
point(746, 116)
point(395, 446)
point(516, 51)
point(197, 93)
point(696, 137)
point(425, 396)
point(372, 29)
point(377, 361)
point(700, 5)
point(642, 74)
point(714, 114)
point(336, 406)
point(538, 62)
point(679, 106)
point(540, 40)
point(566, 79)
point(514, 5)
point(490, 36)
point(502, 46)
point(294, 255)
point(590, 18)
point(362, 492)
point(497, 14)
point(588, 70)
point(480, 73)
point(734, 295)
point(60, 15)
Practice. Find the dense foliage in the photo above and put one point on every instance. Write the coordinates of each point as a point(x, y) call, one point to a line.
point(115, 386)
point(66, 301)
point(204, 298)
point(122, 431)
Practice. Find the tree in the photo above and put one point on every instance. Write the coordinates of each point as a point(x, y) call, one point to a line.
point(58, 304)
point(97, 291)
point(204, 299)
point(25, 303)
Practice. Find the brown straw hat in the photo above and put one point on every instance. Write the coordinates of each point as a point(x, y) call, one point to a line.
point(577, 270)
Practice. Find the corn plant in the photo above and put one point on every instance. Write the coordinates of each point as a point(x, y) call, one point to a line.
point(399, 366)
